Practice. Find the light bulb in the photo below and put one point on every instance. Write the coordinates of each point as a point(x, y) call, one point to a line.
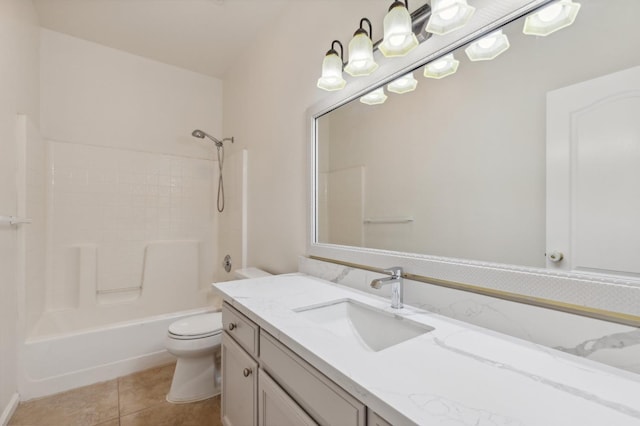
point(375, 97)
point(448, 15)
point(551, 18)
point(404, 84)
point(488, 47)
point(442, 67)
point(550, 13)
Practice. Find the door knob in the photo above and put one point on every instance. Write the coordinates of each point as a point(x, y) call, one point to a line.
point(556, 256)
point(246, 372)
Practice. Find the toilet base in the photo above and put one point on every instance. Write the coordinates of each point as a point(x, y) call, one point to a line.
point(195, 379)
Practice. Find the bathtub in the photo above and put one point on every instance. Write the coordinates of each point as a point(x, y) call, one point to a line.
point(61, 362)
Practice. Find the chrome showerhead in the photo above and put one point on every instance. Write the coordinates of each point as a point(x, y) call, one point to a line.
point(198, 134)
point(201, 134)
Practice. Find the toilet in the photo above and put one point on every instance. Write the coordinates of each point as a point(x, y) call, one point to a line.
point(195, 342)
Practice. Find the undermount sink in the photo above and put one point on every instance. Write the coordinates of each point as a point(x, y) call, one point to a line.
point(372, 329)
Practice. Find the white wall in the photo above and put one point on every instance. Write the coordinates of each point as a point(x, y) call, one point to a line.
point(102, 96)
point(267, 93)
point(19, 88)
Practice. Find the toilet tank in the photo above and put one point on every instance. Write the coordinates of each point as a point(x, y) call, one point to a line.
point(246, 273)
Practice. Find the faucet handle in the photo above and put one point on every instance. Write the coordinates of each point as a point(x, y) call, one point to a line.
point(395, 271)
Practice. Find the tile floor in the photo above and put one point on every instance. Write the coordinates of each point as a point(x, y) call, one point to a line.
point(134, 400)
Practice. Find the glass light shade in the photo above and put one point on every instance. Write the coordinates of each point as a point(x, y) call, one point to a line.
point(488, 47)
point(399, 38)
point(404, 84)
point(361, 60)
point(374, 98)
point(448, 15)
point(441, 67)
point(331, 78)
point(551, 18)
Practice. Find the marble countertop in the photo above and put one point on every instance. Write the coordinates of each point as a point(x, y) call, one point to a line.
point(456, 375)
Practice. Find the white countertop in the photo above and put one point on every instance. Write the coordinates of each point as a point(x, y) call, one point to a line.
point(456, 375)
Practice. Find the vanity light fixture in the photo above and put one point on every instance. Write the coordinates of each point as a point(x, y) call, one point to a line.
point(441, 67)
point(448, 15)
point(399, 38)
point(404, 84)
point(332, 64)
point(361, 60)
point(551, 18)
point(375, 97)
point(488, 47)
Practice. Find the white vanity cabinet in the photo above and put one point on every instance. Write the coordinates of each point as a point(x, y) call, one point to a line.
point(373, 419)
point(239, 385)
point(276, 408)
point(264, 383)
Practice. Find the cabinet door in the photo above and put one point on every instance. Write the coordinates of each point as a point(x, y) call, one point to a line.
point(276, 408)
point(327, 403)
point(239, 385)
point(373, 419)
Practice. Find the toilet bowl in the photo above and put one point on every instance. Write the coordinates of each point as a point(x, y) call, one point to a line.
point(195, 342)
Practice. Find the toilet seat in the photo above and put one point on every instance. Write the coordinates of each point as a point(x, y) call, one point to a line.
point(196, 327)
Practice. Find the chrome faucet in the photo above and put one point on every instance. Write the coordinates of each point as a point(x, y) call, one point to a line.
point(396, 285)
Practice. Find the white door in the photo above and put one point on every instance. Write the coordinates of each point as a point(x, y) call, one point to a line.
point(593, 175)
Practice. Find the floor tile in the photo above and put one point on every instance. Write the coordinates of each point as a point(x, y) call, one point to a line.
point(203, 413)
point(145, 389)
point(114, 422)
point(87, 406)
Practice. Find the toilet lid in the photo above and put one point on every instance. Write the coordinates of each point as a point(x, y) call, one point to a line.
point(197, 325)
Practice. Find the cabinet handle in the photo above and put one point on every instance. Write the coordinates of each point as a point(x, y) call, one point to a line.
point(232, 326)
point(246, 372)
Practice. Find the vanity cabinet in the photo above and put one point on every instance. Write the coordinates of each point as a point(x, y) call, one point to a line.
point(276, 408)
point(325, 401)
point(264, 383)
point(373, 419)
point(239, 385)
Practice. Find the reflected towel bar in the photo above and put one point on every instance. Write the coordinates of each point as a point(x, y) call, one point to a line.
point(376, 220)
point(12, 220)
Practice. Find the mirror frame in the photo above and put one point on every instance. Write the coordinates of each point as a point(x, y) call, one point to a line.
point(609, 298)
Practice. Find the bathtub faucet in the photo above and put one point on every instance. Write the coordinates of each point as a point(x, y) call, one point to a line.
point(396, 285)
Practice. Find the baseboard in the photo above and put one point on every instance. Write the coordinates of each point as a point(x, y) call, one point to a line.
point(9, 409)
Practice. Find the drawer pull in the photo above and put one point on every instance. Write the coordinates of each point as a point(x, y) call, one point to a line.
point(246, 372)
point(232, 326)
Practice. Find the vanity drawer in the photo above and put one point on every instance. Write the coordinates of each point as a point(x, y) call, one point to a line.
point(242, 329)
point(326, 402)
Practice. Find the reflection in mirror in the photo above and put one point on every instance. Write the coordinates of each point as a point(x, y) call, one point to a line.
point(458, 167)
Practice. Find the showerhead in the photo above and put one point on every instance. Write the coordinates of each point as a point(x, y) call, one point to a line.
point(200, 134)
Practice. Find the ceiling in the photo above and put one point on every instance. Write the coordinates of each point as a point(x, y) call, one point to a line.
point(200, 35)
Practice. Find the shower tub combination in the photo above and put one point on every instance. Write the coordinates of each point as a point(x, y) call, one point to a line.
point(130, 248)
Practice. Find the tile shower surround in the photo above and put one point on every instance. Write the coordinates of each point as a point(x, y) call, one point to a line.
point(119, 201)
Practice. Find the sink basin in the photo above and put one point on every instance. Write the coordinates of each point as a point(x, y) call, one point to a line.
point(372, 329)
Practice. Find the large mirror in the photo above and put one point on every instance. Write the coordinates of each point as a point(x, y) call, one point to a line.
point(530, 159)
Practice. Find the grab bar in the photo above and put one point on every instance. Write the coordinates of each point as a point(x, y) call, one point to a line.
point(12, 220)
point(375, 220)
